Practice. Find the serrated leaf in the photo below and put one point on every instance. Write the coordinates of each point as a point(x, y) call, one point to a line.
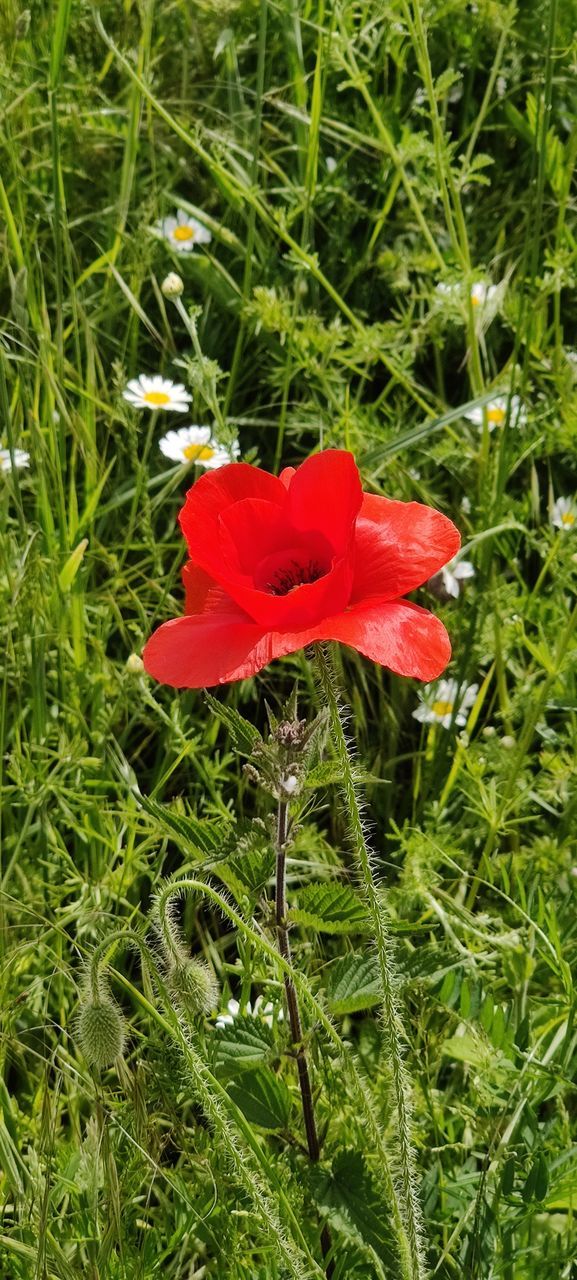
point(244, 734)
point(263, 1098)
point(349, 1196)
point(204, 834)
point(329, 908)
point(353, 984)
point(242, 1046)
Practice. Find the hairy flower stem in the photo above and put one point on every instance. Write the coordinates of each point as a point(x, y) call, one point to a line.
point(295, 1023)
point(412, 1258)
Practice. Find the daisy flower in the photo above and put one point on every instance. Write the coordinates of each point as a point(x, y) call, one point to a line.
point(259, 1010)
point(447, 582)
point(183, 232)
point(496, 412)
point(446, 703)
point(21, 459)
point(197, 444)
point(564, 514)
point(156, 392)
point(483, 294)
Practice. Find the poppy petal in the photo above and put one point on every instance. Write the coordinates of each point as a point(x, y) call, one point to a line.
point(214, 492)
point(401, 636)
point(207, 649)
point(398, 546)
point(325, 494)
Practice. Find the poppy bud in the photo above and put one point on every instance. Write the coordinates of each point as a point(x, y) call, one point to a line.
point(192, 987)
point(101, 1031)
point(172, 286)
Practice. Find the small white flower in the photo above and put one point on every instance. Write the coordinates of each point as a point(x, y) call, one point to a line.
point(172, 286)
point(483, 295)
point(156, 392)
point(564, 514)
point(450, 291)
point(183, 232)
point(197, 444)
point(446, 703)
point(496, 412)
point(331, 163)
point(450, 577)
point(259, 1010)
point(501, 86)
point(466, 505)
point(21, 459)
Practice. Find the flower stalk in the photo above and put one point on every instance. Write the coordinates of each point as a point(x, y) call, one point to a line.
point(295, 1023)
point(412, 1259)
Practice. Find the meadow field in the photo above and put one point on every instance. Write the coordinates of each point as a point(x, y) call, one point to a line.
point(287, 953)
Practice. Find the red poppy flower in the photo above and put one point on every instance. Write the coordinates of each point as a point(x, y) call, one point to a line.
point(277, 563)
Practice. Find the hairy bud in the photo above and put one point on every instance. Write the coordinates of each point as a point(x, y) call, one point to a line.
point(192, 987)
point(100, 1029)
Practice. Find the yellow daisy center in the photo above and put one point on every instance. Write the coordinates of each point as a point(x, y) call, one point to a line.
point(198, 452)
point(183, 233)
point(568, 518)
point(496, 415)
point(476, 300)
point(156, 398)
point(442, 708)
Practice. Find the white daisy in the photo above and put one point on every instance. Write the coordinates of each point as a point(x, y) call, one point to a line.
point(450, 291)
point(183, 232)
point(564, 514)
point(21, 459)
point(197, 444)
point(496, 412)
point(446, 703)
point(482, 294)
point(156, 392)
point(447, 582)
point(259, 1010)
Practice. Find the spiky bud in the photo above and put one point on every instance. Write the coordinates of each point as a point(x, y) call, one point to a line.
point(100, 1029)
point(192, 987)
point(172, 285)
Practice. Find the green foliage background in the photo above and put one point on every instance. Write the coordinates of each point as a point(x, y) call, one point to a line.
point(453, 131)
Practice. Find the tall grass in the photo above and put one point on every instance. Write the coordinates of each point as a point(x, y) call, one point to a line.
point(348, 159)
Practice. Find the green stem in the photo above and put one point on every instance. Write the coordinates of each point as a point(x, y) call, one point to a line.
point(407, 1179)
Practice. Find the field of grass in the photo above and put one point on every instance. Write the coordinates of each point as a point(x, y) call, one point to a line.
point(391, 270)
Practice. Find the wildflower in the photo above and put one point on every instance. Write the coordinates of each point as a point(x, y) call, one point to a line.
point(197, 444)
point(447, 582)
point(277, 563)
point(564, 514)
point(172, 285)
point(21, 459)
point(134, 664)
point(183, 232)
point(331, 163)
point(156, 392)
point(259, 1010)
point(466, 505)
point(483, 294)
point(496, 413)
point(446, 703)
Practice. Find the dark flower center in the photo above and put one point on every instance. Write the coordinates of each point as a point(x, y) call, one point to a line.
point(293, 574)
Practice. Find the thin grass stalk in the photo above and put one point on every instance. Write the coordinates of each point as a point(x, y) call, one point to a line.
point(406, 1169)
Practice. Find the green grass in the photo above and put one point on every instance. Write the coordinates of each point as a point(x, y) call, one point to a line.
point(452, 131)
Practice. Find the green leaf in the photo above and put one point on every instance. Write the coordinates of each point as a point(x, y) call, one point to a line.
point(263, 1098)
point(330, 908)
point(353, 983)
point(347, 1193)
point(202, 834)
point(70, 569)
point(244, 734)
point(242, 1046)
